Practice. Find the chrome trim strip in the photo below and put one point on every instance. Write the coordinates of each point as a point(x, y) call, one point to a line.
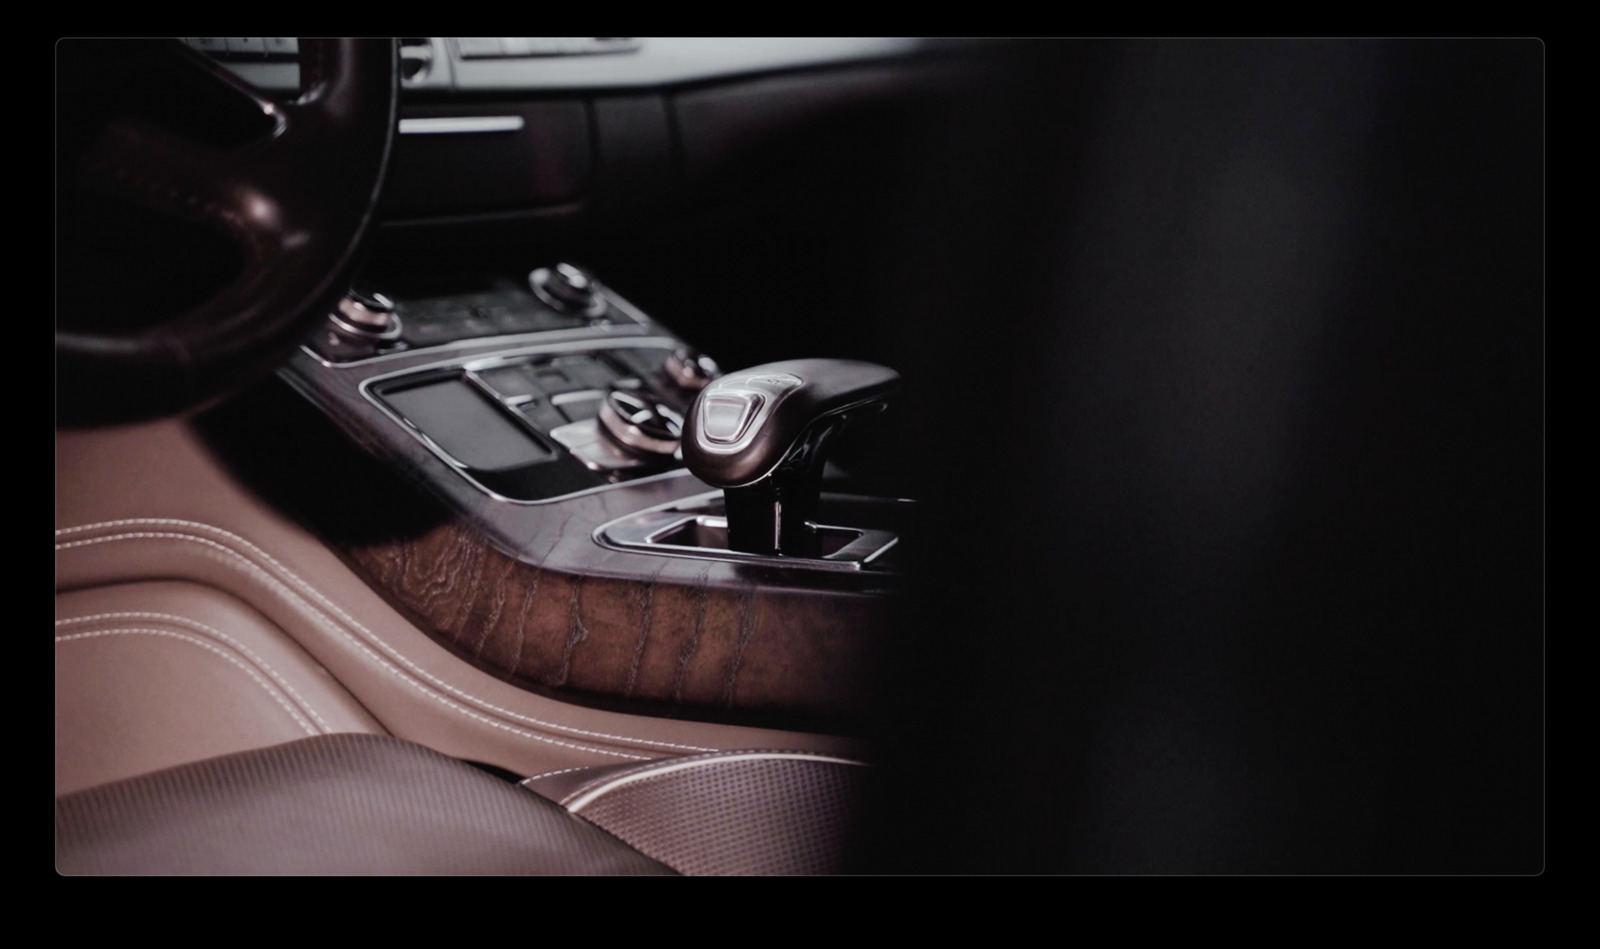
point(669, 766)
point(461, 125)
point(852, 557)
point(363, 332)
point(471, 365)
point(576, 395)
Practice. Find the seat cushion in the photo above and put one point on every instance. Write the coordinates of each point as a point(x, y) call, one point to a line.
point(332, 804)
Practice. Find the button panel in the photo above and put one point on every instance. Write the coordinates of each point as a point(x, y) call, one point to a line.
point(542, 438)
point(501, 47)
point(503, 307)
point(552, 391)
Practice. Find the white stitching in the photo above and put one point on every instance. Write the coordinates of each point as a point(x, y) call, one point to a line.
point(267, 686)
point(401, 675)
point(200, 627)
point(686, 760)
point(551, 774)
point(351, 620)
point(357, 643)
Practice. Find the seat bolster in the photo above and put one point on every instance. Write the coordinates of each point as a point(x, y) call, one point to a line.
point(333, 804)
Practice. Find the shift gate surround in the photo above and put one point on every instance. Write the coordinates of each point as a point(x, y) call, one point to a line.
point(696, 527)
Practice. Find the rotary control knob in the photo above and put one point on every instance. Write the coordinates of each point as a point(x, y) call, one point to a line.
point(642, 425)
point(569, 289)
point(690, 370)
point(365, 315)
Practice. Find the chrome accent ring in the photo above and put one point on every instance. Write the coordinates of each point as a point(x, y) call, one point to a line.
point(596, 308)
point(392, 332)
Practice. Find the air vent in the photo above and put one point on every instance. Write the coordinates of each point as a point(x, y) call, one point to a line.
point(416, 58)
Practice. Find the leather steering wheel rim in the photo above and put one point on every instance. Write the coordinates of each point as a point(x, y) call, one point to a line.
point(296, 203)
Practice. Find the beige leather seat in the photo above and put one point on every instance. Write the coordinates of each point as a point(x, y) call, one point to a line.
point(226, 689)
point(151, 675)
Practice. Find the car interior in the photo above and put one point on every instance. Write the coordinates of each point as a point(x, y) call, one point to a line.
point(800, 456)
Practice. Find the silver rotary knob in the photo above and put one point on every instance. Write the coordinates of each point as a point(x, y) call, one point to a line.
point(640, 424)
point(690, 370)
point(569, 289)
point(366, 315)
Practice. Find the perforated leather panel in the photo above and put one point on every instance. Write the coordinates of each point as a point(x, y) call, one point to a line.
point(731, 814)
point(336, 804)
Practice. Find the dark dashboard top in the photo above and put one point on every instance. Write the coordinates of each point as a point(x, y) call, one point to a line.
point(486, 64)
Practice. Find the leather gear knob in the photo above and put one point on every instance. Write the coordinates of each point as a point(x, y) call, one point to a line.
point(761, 434)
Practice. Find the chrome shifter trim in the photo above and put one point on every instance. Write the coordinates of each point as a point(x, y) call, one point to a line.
point(642, 532)
point(758, 392)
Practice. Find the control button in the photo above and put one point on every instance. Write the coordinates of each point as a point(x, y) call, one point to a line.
point(246, 44)
point(569, 45)
point(580, 409)
point(282, 45)
point(479, 47)
point(371, 310)
point(595, 451)
point(555, 382)
point(541, 45)
point(724, 417)
point(569, 289)
point(587, 371)
point(542, 414)
point(514, 45)
point(641, 424)
point(510, 381)
point(208, 44)
point(691, 370)
point(367, 315)
point(572, 284)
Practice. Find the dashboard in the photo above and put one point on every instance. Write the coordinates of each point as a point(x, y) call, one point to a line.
point(611, 130)
point(480, 64)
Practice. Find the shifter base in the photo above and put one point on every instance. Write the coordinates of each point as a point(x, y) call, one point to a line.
point(698, 527)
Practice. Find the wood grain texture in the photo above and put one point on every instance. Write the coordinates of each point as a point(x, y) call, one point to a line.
point(525, 590)
point(683, 633)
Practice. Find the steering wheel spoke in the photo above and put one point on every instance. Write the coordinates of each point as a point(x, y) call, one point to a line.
point(291, 185)
point(138, 161)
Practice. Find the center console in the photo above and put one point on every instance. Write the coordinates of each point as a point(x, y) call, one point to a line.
point(623, 521)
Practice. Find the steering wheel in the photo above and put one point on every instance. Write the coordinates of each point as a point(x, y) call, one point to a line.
point(235, 220)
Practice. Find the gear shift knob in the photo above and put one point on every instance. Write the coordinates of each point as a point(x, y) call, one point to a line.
point(762, 434)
